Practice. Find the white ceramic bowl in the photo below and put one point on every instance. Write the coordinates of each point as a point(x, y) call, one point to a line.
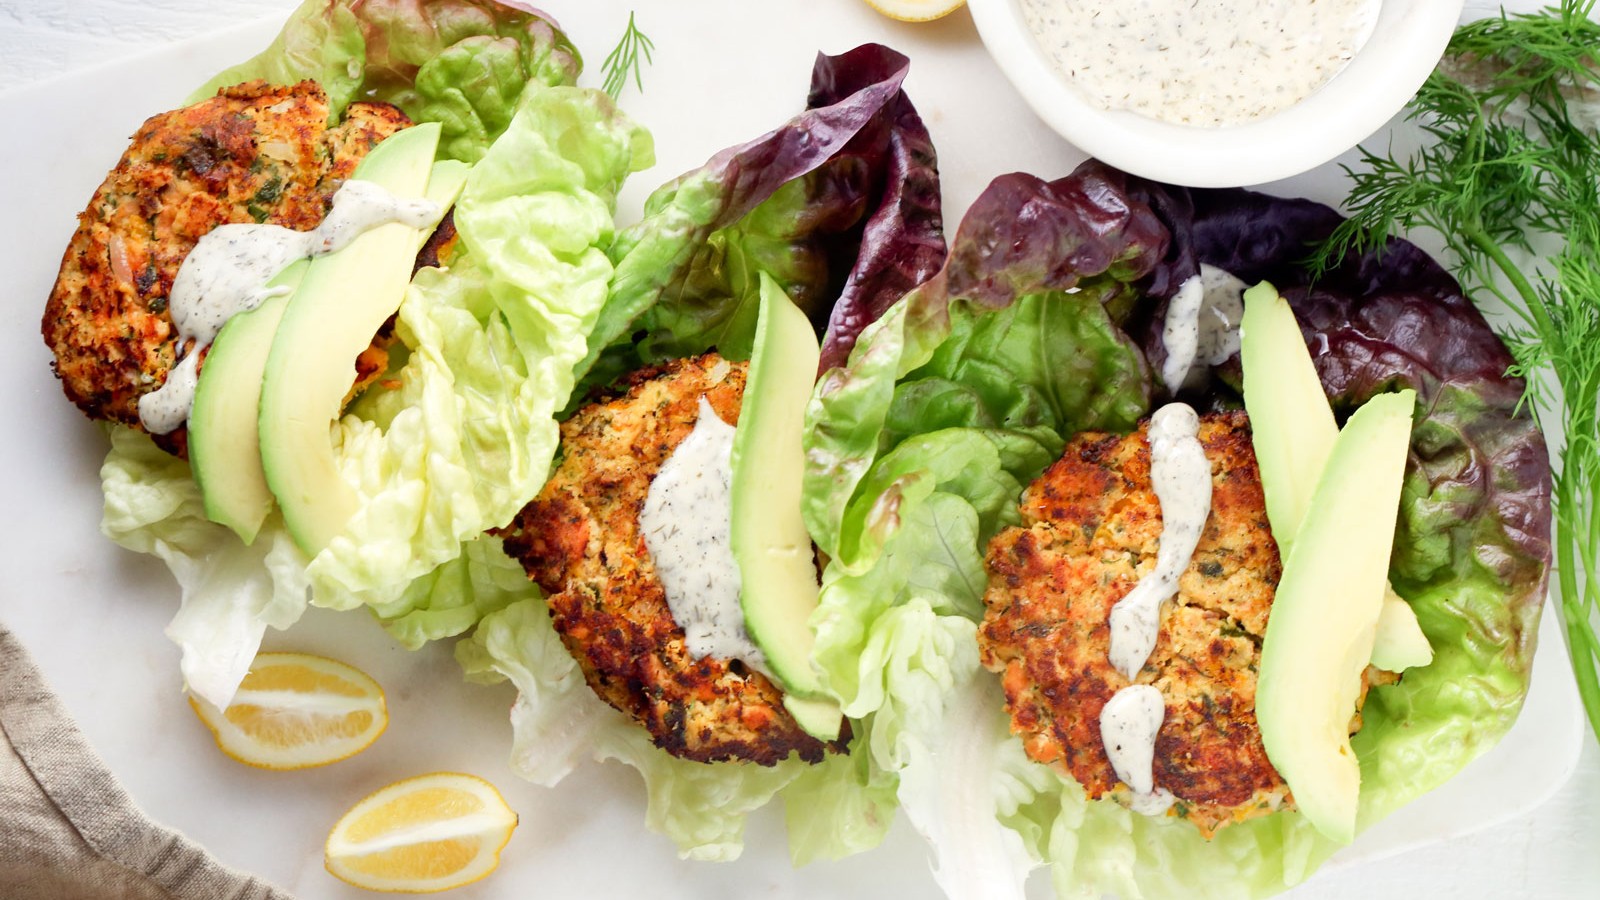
point(1406, 43)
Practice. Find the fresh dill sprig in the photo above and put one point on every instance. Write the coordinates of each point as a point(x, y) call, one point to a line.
point(1511, 169)
point(627, 58)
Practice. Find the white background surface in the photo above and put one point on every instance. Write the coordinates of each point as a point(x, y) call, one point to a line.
point(1552, 852)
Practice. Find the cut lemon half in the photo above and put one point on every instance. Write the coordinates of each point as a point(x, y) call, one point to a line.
point(295, 711)
point(429, 833)
point(916, 10)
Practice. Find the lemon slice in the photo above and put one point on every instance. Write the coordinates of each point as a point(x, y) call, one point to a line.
point(295, 711)
point(916, 10)
point(429, 833)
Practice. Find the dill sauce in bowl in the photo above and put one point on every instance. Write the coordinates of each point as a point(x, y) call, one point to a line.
point(1216, 93)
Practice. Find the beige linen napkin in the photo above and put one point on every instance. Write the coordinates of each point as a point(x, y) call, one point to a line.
point(68, 831)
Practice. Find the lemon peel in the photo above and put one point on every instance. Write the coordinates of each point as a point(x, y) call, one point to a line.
point(424, 834)
point(916, 10)
point(297, 711)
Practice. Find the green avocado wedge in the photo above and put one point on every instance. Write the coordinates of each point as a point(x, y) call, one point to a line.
point(224, 444)
point(1292, 426)
point(1293, 434)
point(777, 565)
point(341, 303)
point(1324, 618)
point(1399, 644)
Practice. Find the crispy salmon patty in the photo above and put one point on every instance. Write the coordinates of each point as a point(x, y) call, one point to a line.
point(1091, 525)
point(253, 153)
point(580, 540)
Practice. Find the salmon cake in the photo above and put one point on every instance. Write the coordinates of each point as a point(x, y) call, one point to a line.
point(1091, 526)
point(253, 153)
point(581, 541)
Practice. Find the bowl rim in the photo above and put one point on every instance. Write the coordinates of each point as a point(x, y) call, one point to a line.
point(1406, 43)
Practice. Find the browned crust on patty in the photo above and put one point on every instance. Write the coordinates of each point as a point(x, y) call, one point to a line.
point(580, 540)
point(253, 153)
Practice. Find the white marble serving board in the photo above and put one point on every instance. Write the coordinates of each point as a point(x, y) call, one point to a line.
point(724, 71)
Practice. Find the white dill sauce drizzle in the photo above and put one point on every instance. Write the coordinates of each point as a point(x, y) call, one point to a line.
point(1202, 324)
point(1131, 719)
point(1181, 476)
point(1200, 62)
point(228, 270)
point(1129, 723)
point(687, 526)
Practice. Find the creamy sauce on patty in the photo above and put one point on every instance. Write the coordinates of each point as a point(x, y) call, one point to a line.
point(1200, 62)
point(1181, 476)
point(228, 272)
point(1131, 719)
point(687, 525)
point(1129, 723)
point(1202, 324)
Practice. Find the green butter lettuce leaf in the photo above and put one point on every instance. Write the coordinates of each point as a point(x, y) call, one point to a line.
point(961, 815)
point(452, 598)
point(558, 722)
point(886, 485)
point(460, 437)
point(454, 439)
point(461, 63)
point(231, 593)
point(1007, 383)
point(839, 807)
point(936, 359)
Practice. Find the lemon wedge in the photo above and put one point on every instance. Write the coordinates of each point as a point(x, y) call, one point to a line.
point(916, 10)
point(296, 711)
point(424, 834)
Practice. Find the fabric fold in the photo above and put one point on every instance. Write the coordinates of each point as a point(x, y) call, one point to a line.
point(68, 830)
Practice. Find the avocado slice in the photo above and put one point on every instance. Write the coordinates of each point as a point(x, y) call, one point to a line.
point(1399, 644)
point(1291, 422)
point(777, 568)
point(341, 303)
point(224, 449)
point(1324, 618)
point(1293, 432)
point(224, 436)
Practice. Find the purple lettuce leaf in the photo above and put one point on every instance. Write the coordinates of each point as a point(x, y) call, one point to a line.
point(841, 201)
point(1024, 236)
point(902, 241)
